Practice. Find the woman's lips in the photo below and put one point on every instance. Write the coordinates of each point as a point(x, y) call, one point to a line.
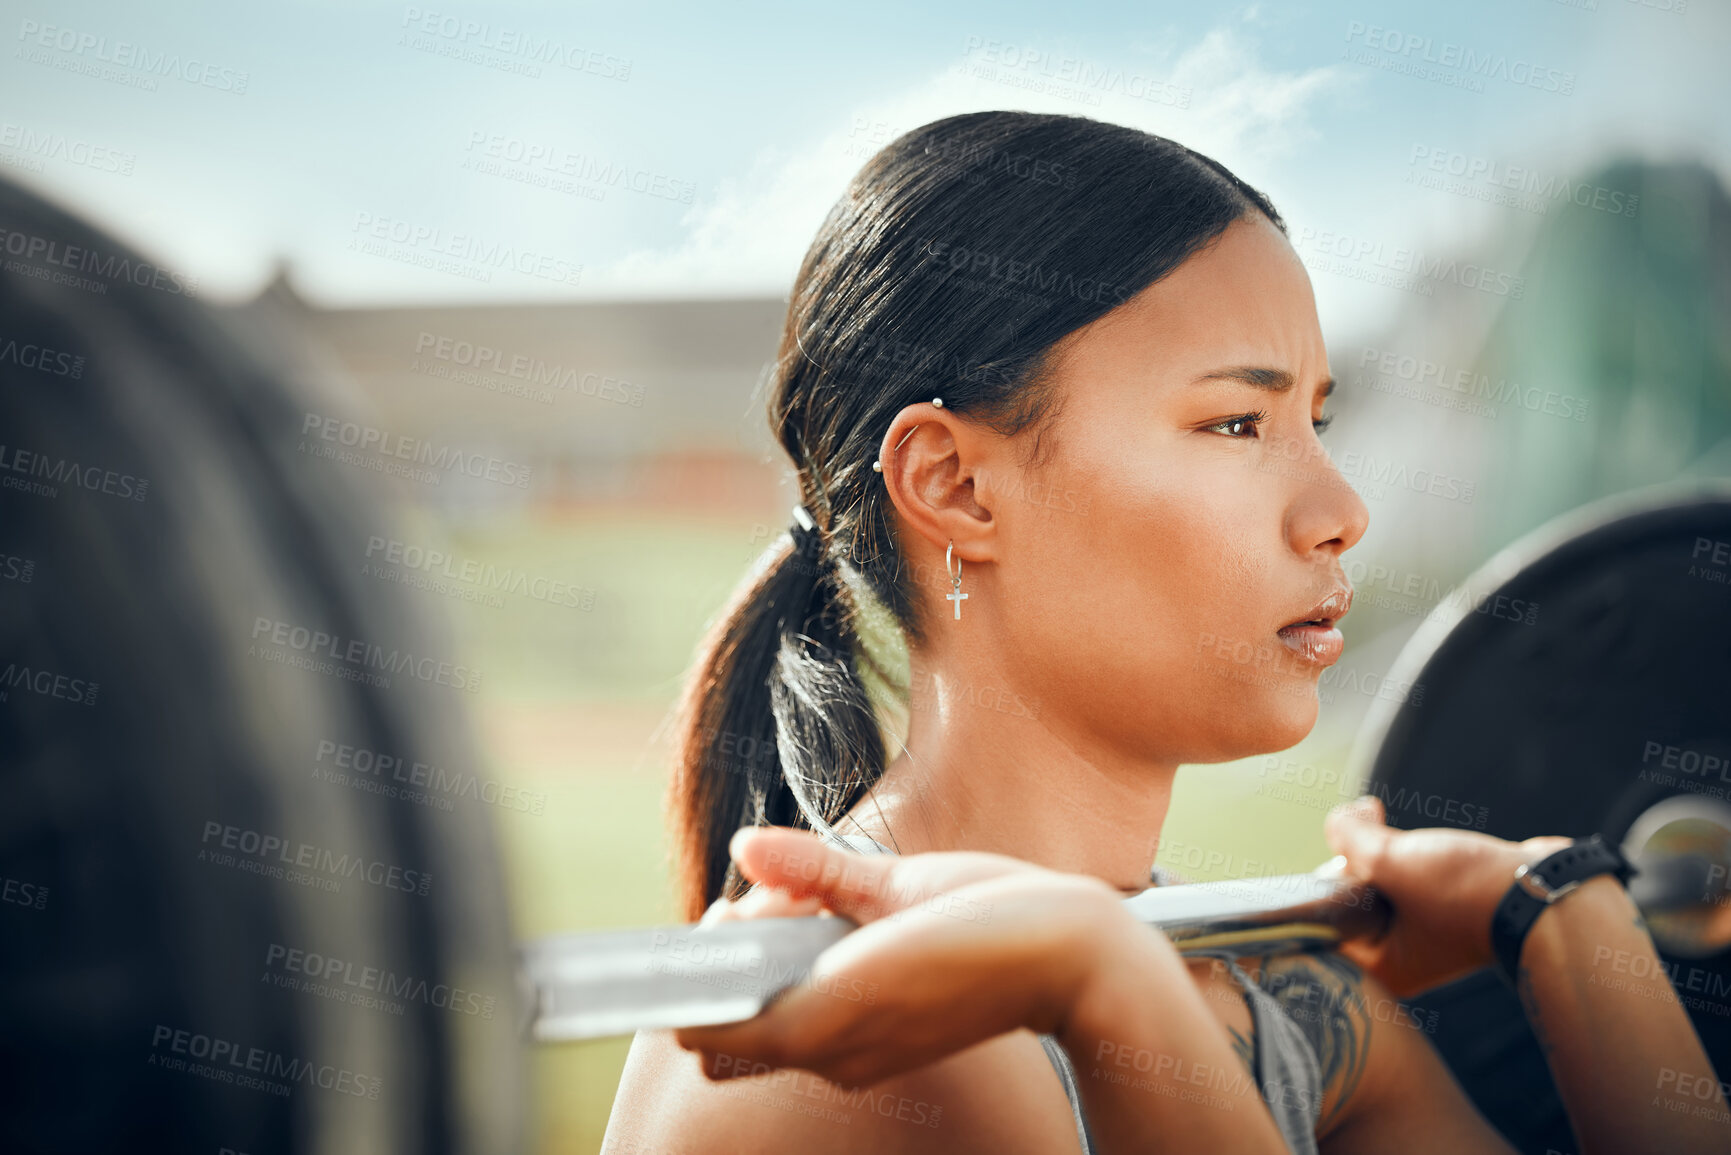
point(1313, 641)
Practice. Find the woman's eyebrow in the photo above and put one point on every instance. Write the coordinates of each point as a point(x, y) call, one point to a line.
point(1274, 380)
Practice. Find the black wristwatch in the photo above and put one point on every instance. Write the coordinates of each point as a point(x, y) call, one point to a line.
point(1540, 884)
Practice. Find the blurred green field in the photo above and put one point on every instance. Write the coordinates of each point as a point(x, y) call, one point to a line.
point(572, 705)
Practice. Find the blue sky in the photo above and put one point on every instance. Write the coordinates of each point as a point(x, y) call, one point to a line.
point(742, 122)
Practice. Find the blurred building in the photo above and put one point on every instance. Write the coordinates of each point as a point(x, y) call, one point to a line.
point(652, 403)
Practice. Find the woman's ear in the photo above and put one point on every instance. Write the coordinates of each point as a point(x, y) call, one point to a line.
point(933, 462)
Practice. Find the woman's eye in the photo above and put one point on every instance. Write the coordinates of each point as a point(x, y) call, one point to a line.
point(1322, 423)
point(1242, 426)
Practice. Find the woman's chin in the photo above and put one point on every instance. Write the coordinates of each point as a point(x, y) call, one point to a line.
point(1267, 724)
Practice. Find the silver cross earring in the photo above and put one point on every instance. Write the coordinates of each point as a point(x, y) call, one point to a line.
point(955, 595)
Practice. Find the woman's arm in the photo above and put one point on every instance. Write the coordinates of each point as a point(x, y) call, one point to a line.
point(962, 948)
point(1631, 1070)
point(1627, 1061)
point(1157, 1068)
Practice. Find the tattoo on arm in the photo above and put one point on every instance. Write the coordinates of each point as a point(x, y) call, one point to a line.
point(1243, 1048)
point(1323, 995)
point(1530, 1004)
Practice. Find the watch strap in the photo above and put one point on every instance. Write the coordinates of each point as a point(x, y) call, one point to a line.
point(1539, 885)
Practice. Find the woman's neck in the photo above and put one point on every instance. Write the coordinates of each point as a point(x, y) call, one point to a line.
point(984, 771)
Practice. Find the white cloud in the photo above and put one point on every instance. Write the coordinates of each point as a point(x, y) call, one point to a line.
point(751, 235)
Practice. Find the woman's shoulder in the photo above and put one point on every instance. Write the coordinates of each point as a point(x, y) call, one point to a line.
point(999, 1096)
point(1336, 1009)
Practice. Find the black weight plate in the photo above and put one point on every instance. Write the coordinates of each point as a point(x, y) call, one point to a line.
point(133, 717)
point(1579, 677)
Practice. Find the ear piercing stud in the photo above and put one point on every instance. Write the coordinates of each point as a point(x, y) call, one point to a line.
point(878, 466)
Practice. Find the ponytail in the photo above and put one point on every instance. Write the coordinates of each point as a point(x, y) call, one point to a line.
point(776, 725)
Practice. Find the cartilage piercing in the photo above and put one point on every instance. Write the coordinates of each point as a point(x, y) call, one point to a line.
point(878, 466)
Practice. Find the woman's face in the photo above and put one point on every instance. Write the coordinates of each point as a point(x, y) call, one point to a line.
point(1154, 565)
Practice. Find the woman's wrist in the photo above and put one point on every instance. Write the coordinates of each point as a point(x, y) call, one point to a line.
point(1498, 876)
point(1573, 923)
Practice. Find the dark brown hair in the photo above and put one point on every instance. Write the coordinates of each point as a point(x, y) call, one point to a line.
point(957, 258)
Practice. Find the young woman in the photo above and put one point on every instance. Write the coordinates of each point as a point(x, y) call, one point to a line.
point(1084, 363)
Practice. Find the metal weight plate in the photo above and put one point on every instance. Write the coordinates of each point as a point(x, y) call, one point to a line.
point(1579, 683)
point(149, 1000)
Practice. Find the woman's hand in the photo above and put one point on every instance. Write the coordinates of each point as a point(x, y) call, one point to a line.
point(1444, 886)
point(954, 948)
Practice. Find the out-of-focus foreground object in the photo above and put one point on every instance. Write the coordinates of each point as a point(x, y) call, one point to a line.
point(212, 937)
